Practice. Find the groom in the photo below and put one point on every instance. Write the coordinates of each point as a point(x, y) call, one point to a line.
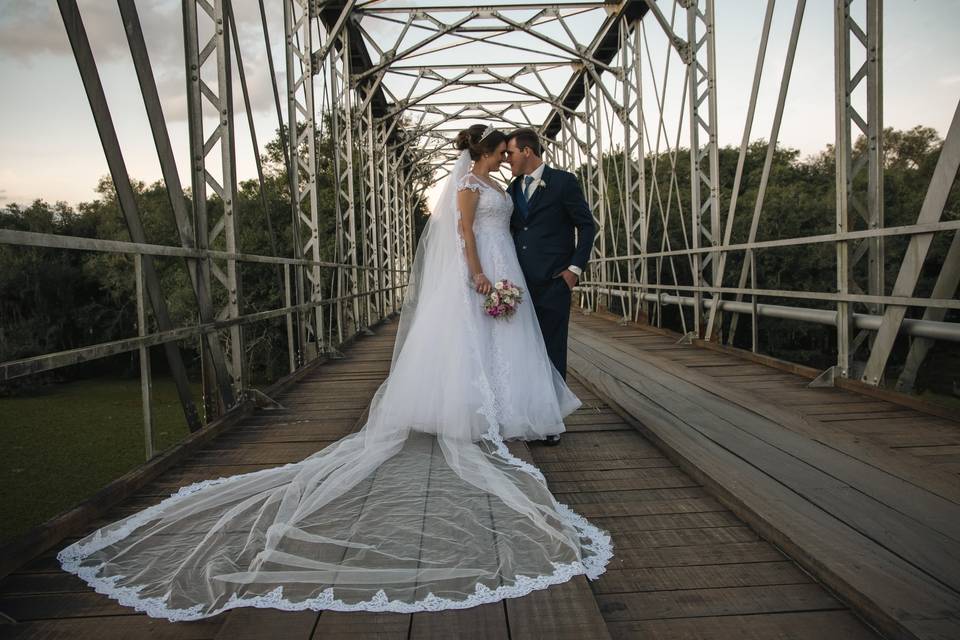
point(548, 205)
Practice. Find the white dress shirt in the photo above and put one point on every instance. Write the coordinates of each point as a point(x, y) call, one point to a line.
point(536, 174)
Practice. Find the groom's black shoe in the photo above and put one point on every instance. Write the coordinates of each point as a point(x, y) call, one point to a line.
point(552, 440)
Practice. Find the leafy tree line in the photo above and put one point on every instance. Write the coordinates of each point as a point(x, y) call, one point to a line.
point(800, 200)
point(53, 300)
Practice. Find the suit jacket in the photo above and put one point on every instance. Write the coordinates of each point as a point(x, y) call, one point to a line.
point(545, 240)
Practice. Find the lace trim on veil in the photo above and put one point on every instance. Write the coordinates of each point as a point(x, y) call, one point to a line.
point(71, 557)
point(594, 541)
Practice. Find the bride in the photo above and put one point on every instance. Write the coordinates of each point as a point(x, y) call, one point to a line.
point(424, 508)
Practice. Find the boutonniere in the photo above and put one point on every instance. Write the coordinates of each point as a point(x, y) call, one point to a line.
point(540, 183)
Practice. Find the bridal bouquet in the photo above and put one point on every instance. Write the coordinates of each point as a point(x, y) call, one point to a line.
point(503, 300)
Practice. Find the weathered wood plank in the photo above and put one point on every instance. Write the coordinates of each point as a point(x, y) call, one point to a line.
point(905, 442)
point(337, 625)
point(112, 628)
point(656, 538)
point(846, 418)
point(864, 406)
point(700, 577)
point(615, 497)
point(648, 507)
point(673, 479)
point(270, 453)
point(712, 602)
point(939, 450)
point(565, 611)
point(659, 521)
point(725, 369)
point(696, 555)
point(614, 474)
point(804, 625)
point(603, 465)
point(37, 583)
point(45, 606)
point(593, 417)
point(253, 624)
point(476, 623)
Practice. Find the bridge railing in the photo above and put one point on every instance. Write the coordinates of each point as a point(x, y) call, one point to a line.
point(314, 327)
point(636, 295)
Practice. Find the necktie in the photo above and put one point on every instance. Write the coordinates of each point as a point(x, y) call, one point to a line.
point(526, 187)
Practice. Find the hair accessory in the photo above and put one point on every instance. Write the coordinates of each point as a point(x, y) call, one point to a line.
point(486, 132)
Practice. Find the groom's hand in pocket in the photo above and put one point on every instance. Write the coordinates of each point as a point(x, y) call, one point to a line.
point(569, 277)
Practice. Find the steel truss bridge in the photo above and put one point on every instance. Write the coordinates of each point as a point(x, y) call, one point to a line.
point(625, 95)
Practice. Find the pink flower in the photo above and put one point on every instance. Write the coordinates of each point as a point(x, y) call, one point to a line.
point(502, 301)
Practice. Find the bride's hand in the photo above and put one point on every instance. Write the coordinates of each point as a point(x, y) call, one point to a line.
point(481, 284)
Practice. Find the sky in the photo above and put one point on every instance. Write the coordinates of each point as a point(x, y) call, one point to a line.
point(49, 147)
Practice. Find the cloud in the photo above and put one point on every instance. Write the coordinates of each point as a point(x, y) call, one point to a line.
point(31, 32)
point(955, 79)
point(33, 28)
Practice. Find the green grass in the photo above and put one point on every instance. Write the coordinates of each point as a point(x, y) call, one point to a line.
point(62, 444)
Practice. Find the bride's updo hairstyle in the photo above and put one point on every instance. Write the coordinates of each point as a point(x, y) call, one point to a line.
point(478, 144)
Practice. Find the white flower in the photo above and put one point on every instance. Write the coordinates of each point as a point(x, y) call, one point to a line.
point(499, 285)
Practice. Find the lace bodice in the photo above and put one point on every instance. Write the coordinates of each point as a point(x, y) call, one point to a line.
point(493, 208)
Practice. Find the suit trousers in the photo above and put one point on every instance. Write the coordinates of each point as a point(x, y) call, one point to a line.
point(551, 302)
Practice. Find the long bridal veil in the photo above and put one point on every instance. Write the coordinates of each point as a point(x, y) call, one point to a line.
point(422, 509)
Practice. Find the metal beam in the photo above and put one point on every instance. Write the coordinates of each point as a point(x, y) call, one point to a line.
point(87, 66)
point(932, 209)
point(298, 17)
point(701, 77)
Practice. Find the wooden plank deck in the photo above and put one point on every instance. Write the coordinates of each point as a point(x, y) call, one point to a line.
point(861, 490)
point(685, 565)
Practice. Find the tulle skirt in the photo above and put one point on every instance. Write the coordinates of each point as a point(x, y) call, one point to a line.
point(527, 395)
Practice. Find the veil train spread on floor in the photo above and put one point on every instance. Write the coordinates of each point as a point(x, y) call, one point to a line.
point(423, 509)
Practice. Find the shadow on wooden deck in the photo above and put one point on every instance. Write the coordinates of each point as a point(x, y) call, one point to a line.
point(685, 564)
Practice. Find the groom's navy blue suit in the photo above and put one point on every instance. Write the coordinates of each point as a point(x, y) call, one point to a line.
point(543, 230)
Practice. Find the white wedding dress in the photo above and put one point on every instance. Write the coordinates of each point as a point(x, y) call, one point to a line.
point(423, 509)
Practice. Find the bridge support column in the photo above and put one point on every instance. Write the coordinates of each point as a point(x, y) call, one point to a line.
point(302, 136)
point(214, 171)
point(597, 184)
point(702, 109)
point(866, 206)
point(633, 203)
point(350, 319)
point(368, 221)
